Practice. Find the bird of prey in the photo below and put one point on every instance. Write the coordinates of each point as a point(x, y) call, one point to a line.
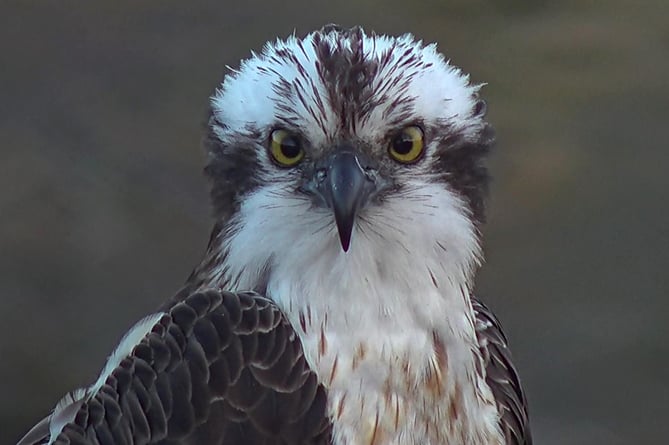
point(334, 303)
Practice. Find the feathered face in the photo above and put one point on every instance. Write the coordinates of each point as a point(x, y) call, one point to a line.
point(334, 132)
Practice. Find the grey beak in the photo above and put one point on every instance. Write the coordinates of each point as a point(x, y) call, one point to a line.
point(346, 188)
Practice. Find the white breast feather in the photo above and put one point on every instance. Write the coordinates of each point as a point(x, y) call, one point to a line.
point(373, 314)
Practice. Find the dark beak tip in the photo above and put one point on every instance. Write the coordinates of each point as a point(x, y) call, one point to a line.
point(345, 244)
point(345, 235)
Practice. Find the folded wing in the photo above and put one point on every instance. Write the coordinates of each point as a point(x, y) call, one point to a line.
point(217, 368)
point(502, 377)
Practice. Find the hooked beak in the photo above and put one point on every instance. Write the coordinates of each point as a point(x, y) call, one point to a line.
point(345, 182)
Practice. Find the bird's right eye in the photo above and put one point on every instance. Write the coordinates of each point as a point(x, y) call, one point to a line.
point(285, 148)
point(407, 147)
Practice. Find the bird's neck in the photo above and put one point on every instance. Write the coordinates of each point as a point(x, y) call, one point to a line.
point(411, 259)
point(391, 317)
point(409, 267)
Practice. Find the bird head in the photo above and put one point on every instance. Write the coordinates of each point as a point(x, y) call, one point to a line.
point(347, 140)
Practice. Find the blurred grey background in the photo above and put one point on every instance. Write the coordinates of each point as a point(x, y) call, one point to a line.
point(104, 210)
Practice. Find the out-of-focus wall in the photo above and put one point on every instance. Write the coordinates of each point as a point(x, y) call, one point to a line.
point(104, 211)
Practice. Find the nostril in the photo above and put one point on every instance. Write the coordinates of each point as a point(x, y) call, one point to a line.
point(321, 174)
point(366, 164)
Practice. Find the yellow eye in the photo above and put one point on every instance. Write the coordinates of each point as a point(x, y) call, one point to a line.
point(285, 148)
point(408, 145)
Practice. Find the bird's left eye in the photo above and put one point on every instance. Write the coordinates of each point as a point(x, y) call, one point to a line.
point(285, 148)
point(407, 146)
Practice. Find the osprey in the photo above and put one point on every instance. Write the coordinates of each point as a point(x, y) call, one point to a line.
point(334, 303)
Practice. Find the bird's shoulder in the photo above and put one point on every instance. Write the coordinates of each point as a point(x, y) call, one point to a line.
point(501, 376)
point(217, 367)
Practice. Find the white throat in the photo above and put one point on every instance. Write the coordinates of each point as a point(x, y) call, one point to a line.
point(387, 326)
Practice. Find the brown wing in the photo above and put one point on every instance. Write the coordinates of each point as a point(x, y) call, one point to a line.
point(218, 368)
point(502, 377)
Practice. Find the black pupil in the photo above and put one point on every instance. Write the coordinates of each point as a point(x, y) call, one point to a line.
point(403, 144)
point(290, 147)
